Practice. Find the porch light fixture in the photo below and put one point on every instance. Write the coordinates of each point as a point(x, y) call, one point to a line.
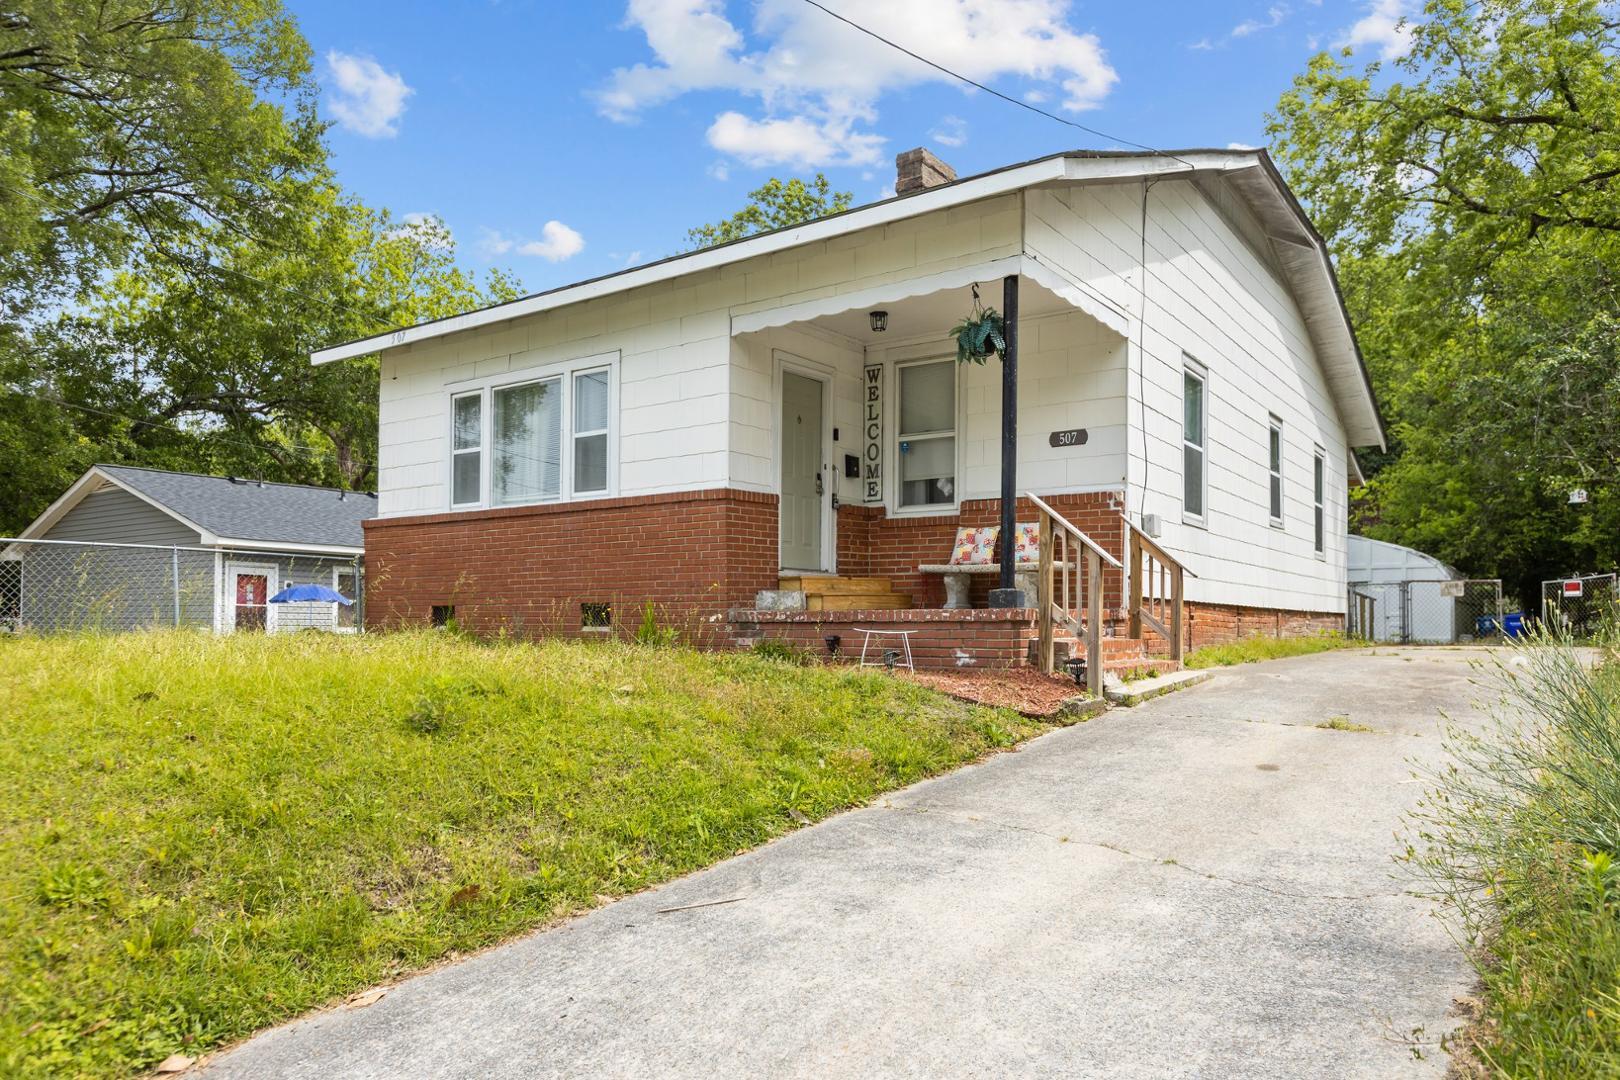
point(880, 321)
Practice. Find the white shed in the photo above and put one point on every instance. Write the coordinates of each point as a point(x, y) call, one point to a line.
point(1405, 585)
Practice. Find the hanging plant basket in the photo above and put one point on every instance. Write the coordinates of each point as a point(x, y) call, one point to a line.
point(981, 335)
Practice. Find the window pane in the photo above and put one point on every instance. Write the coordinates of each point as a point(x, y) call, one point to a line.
point(1192, 481)
point(591, 401)
point(465, 482)
point(1276, 496)
point(928, 398)
point(1318, 478)
point(468, 414)
point(1276, 449)
point(1193, 418)
point(1319, 544)
point(590, 463)
point(928, 472)
point(528, 443)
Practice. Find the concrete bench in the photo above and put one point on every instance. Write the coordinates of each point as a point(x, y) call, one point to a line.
point(959, 579)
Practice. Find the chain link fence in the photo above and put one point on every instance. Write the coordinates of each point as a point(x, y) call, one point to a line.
point(58, 586)
point(1580, 603)
point(1442, 612)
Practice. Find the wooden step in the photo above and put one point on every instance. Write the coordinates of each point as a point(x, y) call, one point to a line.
point(875, 601)
point(829, 585)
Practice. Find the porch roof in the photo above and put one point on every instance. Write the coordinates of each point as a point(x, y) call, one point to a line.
point(1251, 173)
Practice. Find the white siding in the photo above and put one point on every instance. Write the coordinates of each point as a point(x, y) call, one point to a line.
point(682, 423)
point(1211, 297)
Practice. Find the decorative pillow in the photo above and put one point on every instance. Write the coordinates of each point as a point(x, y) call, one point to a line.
point(1027, 542)
point(975, 546)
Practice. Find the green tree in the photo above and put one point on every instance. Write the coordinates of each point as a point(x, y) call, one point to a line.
point(775, 204)
point(1468, 192)
point(133, 129)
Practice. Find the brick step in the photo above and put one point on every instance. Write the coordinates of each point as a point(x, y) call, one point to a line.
point(874, 601)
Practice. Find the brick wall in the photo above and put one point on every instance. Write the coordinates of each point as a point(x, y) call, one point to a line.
point(943, 640)
point(527, 570)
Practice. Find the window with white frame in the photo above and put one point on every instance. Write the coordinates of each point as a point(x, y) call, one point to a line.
point(467, 449)
point(1275, 449)
point(547, 438)
point(927, 434)
point(1319, 482)
point(1194, 441)
point(346, 583)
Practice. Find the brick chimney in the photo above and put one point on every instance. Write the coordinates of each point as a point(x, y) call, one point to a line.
point(917, 169)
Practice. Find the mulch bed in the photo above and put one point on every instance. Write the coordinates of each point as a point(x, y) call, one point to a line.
point(1023, 689)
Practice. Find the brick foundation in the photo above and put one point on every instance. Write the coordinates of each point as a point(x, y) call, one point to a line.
point(1220, 624)
point(948, 640)
point(526, 570)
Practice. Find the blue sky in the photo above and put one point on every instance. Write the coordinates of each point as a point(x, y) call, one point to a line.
point(564, 141)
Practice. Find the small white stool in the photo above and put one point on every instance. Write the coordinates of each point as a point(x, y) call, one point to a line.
point(905, 646)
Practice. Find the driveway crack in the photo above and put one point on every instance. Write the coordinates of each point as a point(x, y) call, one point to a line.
point(1168, 863)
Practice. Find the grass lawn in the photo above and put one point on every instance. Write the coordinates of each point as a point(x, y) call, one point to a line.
point(1261, 647)
point(201, 836)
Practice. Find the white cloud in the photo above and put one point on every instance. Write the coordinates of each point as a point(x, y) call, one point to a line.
point(798, 141)
point(818, 81)
point(1275, 14)
point(557, 242)
point(1384, 27)
point(1240, 146)
point(719, 170)
point(365, 99)
point(951, 131)
point(429, 228)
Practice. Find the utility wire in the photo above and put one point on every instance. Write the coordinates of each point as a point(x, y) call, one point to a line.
point(992, 91)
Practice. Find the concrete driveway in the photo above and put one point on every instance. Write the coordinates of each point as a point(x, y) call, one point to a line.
point(1200, 886)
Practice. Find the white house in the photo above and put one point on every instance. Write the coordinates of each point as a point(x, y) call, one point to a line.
point(689, 432)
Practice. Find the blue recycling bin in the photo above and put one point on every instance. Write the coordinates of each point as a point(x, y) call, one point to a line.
point(1511, 625)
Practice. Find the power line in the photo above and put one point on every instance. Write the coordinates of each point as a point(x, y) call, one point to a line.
point(992, 91)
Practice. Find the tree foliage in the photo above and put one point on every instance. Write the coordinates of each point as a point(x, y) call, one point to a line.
point(173, 246)
point(775, 204)
point(1469, 193)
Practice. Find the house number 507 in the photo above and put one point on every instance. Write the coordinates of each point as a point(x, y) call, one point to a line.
point(1071, 437)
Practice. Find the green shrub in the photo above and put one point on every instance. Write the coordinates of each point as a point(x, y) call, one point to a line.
point(651, 632)
point(781, 652)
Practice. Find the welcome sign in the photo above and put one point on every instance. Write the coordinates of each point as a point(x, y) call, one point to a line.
point(872, 422)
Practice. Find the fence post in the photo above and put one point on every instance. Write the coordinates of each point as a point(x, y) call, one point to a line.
point(175, 554)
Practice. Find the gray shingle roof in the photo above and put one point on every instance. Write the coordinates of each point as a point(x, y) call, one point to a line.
point(249, 510)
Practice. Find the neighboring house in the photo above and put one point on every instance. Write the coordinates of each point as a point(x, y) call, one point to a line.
point(128, 547)
point(788, 405)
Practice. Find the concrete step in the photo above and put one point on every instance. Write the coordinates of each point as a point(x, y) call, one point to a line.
point(1134, 693)
point(1134, 666)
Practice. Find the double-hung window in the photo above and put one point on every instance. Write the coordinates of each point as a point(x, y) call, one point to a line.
point(540, 439)
point(1194, 442)
point(1275, 449)
point(1319, 491)
point(927, 435)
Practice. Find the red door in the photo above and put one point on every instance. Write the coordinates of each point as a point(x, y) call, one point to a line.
point(252, 597)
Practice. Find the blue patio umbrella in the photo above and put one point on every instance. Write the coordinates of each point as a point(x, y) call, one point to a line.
point(299, 594)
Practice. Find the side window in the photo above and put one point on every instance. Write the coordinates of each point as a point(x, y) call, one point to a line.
point(1276, 452)
point(1318, 479)
point(467, 449)
point(591, 419)
point(1194, 442)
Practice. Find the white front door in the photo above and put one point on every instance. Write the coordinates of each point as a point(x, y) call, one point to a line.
point(803, 493)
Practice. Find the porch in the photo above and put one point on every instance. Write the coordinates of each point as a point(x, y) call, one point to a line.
point(880, 447)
